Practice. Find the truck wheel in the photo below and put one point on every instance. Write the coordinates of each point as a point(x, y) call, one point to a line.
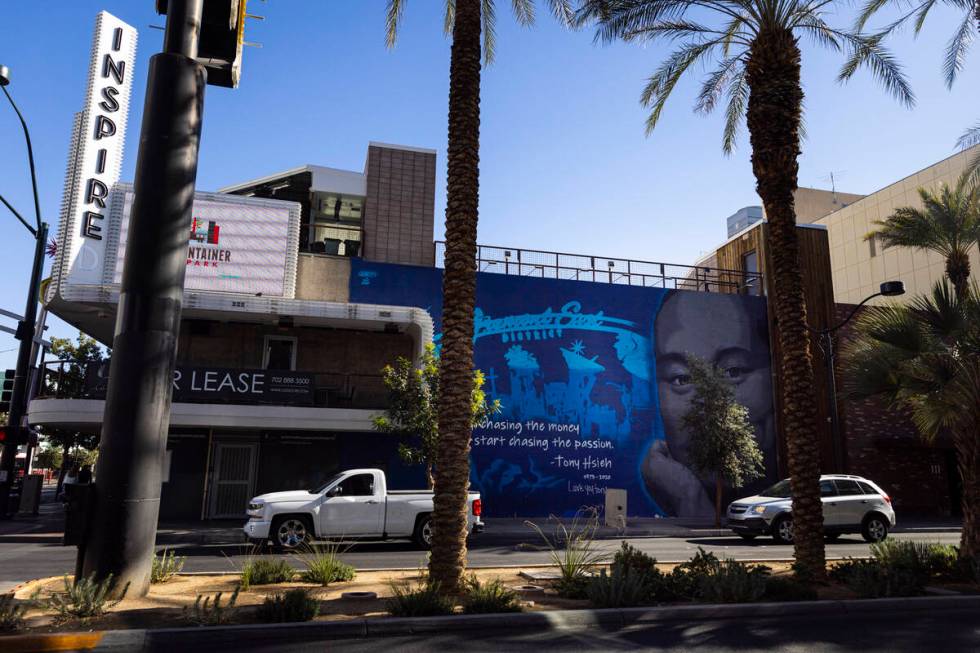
point(291, 532)
point(423, 533)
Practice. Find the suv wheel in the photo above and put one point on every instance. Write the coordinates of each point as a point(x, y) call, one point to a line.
point(782, 530)
point(875, 528)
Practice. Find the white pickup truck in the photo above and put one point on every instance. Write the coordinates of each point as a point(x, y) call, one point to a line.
point(355, 504)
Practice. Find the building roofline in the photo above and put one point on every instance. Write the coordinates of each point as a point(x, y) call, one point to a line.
point(407, 148)
point(714, 251)
point(971, 151)
point(309, 167)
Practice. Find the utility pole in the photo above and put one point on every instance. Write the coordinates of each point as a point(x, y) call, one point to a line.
point(122, 528)
point(16, 433)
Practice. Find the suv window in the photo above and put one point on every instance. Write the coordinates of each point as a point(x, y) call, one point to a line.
point(827, 489)
point(361, 485)
point(848, 488)
point(867, 489)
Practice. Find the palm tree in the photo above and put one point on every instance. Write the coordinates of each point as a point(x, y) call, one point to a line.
point(955, 56)
point(925, 357)
point(466, 20)
point(948, 224)
point(754, 45)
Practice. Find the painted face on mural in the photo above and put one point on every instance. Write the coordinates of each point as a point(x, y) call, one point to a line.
point(731, 334)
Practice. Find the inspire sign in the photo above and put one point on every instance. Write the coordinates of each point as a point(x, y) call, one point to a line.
point(97, 149)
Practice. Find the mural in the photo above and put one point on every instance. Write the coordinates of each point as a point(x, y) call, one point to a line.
point(593, 385)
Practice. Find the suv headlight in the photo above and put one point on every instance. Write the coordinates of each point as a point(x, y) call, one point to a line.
point(758, 510)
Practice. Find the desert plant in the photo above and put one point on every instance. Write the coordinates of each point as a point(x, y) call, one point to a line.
point(781, 589)
point(869, 579)
point(166, 565)
point(573, 550)
point(84, 599)
point(323, 566)
point(263, 571)
point(733, 582)
point(424, 599)
point(632, 560)
point(294, 605)
point(208, 612)
point(489, 597)
point(11, 613)
point(619, 589)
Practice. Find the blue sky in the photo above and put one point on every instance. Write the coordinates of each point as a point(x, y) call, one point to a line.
point(565, 164)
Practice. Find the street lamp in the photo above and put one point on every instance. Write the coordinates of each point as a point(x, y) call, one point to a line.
point(26, 327)
point(886, 289)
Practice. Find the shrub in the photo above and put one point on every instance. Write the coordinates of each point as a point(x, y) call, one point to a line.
point(788, 589)
point(573, 550)
point(489, 597)
point(323, 566)
point(633, 561)
point(84, 598)
point(619, 589)
point(166, 565)
point(294, 605)
point(869, 579)
point(264, 571)
point(685, 581)
point(11, 613)
point(733, 582)
point(210, 613)
point(898, 568)
point(423, 600)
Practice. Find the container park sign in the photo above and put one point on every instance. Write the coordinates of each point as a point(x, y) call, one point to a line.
point(236, 244)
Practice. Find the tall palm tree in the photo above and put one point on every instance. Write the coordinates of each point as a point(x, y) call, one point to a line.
point(754, 46)
point(925, 357)
point(948, 223)
point(954, 59)
point(466, 20)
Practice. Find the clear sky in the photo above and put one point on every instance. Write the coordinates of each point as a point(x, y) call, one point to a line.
point(565, 164)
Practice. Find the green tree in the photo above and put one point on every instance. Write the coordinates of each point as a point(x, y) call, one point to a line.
point(412, 413)
point(723, 443)
point(466, 20)
point(754, 50)
point(48, 457)
point(925, 357)
point(967, 28)
point(948, 223)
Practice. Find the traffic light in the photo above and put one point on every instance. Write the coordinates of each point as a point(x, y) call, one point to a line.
point(219, 48)
point(8, 390)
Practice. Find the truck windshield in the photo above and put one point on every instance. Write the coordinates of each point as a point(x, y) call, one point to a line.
point(330, 481)
point(780, 490)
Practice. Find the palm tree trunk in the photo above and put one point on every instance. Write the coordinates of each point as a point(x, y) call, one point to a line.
point(448, 560)
point(775, 102)
point(958, 272)
point(967, 443)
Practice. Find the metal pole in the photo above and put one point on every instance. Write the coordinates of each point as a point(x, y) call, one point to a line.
point(18, 398)
point(121, 538)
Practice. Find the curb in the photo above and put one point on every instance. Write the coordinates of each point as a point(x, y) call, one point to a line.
point(606, 619)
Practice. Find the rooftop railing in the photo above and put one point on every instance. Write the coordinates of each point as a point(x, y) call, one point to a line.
point(604, 269)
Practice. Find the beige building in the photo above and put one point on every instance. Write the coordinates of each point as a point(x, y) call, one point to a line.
point(859, 266)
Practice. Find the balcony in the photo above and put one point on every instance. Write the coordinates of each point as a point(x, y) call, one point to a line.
point(244, 387)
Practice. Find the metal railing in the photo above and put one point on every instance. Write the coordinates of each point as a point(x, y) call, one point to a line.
point(67, 380)
point(606, 269)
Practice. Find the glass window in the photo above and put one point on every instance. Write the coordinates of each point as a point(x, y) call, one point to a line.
point(780, 490)
point(827, 489)
point(848, 488)
point(867, 489)
point(750, 267)
point(280, 353)
point(360, 485)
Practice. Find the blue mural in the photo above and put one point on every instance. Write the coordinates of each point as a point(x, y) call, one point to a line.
point(592, 383)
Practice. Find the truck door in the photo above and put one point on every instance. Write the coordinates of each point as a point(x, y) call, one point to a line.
point(353, 508)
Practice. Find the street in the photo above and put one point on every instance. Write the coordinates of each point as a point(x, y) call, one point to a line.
point(34, 554)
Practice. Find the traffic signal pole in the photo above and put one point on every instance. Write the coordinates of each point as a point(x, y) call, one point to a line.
point(122, 531)
point(16, 434)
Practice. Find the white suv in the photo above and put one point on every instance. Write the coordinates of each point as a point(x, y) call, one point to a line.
point(851, 504)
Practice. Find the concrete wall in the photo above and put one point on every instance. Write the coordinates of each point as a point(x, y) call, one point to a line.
point(858, 271)
point(323, 278)
point(398, 211)
point(813, 203)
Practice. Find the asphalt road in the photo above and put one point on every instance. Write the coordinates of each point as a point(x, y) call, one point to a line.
point(913, 632)
point(25, 557)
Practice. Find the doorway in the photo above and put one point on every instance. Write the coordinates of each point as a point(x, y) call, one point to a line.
point(234, 479)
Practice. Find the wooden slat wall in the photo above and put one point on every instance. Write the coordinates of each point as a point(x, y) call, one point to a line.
point(818, 288)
